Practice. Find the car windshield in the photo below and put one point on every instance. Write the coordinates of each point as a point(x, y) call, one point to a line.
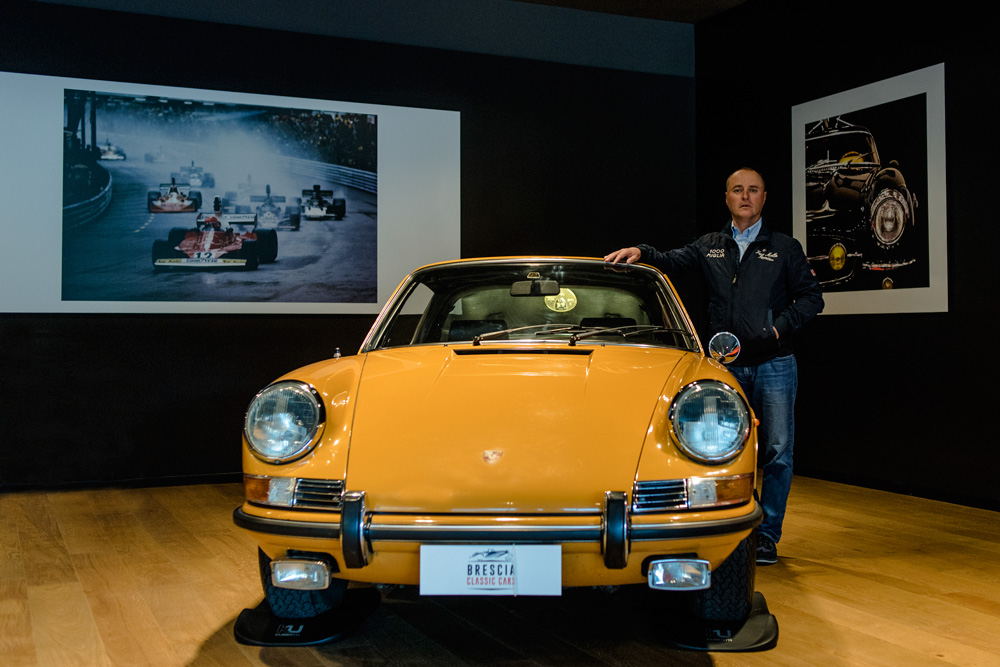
point(491, 302)
point(841, 149)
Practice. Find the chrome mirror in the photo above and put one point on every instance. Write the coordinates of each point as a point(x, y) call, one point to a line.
point(724, 347)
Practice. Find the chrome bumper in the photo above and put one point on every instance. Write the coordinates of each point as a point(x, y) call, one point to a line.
point(358, 529)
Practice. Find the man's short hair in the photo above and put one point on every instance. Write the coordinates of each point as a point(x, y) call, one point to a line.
point(762, 180)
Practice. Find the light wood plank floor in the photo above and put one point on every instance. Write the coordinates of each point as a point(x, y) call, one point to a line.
point(157, 577)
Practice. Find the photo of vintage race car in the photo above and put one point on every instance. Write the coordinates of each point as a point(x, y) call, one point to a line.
point(270, 215)
point(197, 177)
point(173, 197)
point(111, 152)
point(316, 206)
point(859, 210)
point(559, 413)
point(219, 240)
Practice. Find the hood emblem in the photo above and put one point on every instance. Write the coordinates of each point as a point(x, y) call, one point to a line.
point(492, 455)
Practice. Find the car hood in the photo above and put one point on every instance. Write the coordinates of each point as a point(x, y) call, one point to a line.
point(500, 429)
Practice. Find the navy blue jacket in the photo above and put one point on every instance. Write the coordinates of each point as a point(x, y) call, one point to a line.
point(773, 286)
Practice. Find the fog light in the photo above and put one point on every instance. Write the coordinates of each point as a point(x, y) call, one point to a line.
point(300, 575)
point(673, 574)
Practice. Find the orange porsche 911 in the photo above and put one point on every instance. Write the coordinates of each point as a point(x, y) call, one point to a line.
point(510, 426)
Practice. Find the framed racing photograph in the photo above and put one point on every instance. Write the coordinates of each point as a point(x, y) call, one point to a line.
point(868, 198)
point(173, 200)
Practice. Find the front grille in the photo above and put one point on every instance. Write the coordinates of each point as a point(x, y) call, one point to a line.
point(321, 494)
point(659, 496)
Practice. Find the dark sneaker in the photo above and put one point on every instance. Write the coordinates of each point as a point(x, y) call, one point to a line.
point(767, 552)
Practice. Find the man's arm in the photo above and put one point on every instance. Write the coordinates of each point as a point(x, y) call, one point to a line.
point(671, 262)
point(804, 292)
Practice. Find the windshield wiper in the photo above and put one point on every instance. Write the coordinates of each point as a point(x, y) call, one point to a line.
point(493, 334)
point(639, 330)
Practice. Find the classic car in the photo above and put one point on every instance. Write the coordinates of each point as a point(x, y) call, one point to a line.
point(196, 176)
point(858, 210)
point(218, 240)
point(270, 215)
point(316, 206)
point(173, 197)
point(109, 151)
point(510, 426)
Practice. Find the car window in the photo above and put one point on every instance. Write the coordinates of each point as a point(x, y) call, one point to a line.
point(543, 303)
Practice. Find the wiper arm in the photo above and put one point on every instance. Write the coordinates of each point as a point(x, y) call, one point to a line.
point(639, 329)
point(493, 334)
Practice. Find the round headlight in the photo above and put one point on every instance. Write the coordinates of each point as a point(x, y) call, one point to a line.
point(710, 421)
point(837, 256)
point(284, 422)
point(889, 215)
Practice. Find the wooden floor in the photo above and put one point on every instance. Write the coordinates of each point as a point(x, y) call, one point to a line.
point(158, 576)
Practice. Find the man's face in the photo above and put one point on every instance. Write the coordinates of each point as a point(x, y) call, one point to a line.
point(745, 197)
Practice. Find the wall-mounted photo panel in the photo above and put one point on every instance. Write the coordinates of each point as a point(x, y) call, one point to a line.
point(869, 194)
point(147, 199)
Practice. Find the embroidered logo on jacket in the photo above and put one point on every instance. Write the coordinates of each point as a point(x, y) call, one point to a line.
point(768, 256)
point(716, 253)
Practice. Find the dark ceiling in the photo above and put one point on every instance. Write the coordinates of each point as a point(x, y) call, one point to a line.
point(681, 11)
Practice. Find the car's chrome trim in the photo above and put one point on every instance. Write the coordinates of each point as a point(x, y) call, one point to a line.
point(672, 531)
point(507, 533)
point(615, 530)
point(504, 533)
point(352, 535)
point(258, 524)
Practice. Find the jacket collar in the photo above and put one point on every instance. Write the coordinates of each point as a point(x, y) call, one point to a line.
point(763, 235)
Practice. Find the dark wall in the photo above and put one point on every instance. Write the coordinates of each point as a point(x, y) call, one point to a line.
point(897, 401)
point(556, 159)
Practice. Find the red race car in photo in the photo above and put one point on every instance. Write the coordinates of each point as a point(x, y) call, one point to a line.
point(173, 197)
point(220, 240)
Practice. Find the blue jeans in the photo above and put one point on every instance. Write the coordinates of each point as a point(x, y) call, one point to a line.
point(771, 388)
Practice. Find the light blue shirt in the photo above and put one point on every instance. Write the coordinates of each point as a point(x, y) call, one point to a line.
point(744, 239)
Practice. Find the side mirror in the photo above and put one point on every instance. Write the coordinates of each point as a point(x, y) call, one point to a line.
point(724, 347)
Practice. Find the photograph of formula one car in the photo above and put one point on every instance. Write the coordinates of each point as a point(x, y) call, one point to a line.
point(270, 215)
point(315, 206)
point(864, 228)
point(197, 177)
point(218, 240)
point(256, 160)
point(111, 152)
point(173, 197)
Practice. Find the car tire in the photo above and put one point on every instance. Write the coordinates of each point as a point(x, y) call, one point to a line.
point(151, 196)
point(288, 603)
point(195, 196)
point(267, 244)
point(251, 254)
point(295, 220)
point(162, 250)
point(730, 598)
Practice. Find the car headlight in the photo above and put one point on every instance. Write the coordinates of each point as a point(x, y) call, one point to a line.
point(284, 422)
point(710, 421)
point(837, 256)
point(889, 215)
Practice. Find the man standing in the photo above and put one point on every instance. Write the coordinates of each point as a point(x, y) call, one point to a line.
point(761, 289)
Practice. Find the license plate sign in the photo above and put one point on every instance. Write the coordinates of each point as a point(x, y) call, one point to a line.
point(510, 569)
